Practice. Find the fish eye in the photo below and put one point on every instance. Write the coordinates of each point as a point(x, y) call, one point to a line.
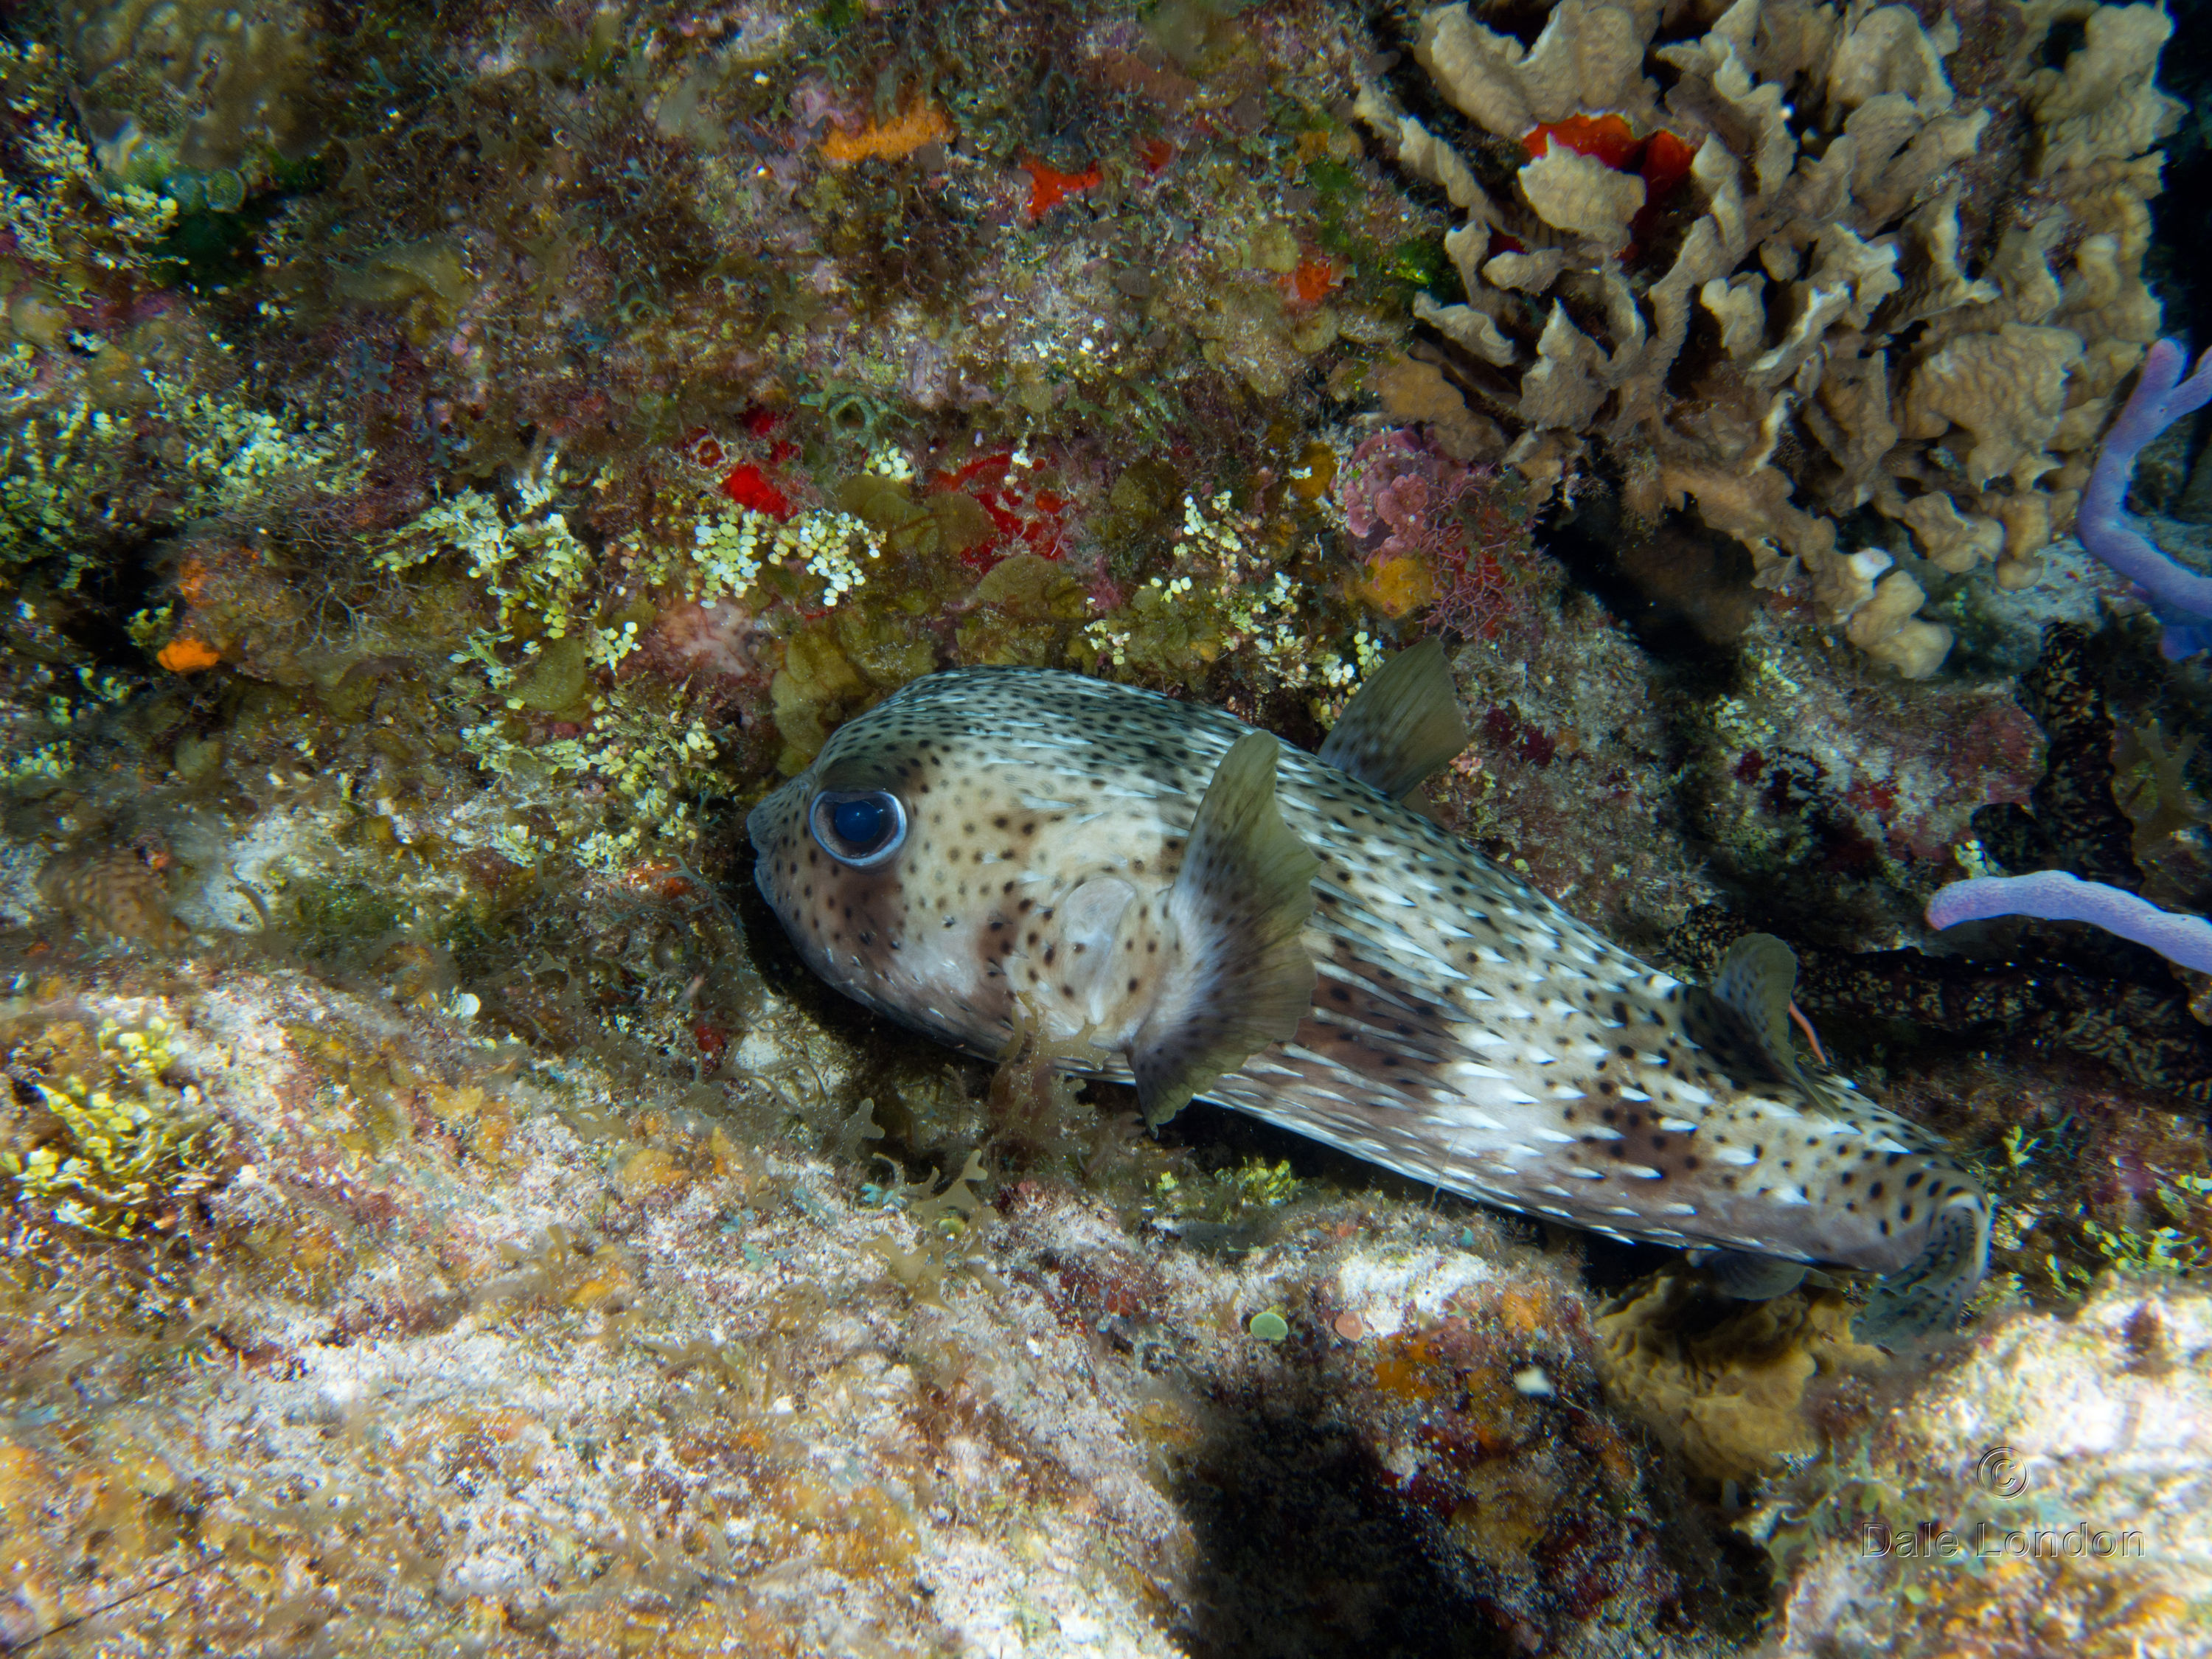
point(859, 827)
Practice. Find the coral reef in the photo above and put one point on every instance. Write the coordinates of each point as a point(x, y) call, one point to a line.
point(1766, 273)
point(455, 461)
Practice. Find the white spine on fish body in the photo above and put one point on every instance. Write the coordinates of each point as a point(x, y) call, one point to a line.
point(1208, 912)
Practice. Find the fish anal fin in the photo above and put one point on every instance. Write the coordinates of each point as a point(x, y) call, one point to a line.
point(1242, 978)
point(1749, 1276)
point(1402, 726)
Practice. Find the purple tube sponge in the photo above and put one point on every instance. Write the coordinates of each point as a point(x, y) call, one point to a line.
point(2181, 599)
point(2054, 895)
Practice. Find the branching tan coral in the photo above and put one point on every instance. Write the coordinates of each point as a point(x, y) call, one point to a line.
point(1889, 281)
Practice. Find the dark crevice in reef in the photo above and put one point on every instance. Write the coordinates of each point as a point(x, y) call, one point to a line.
point(2071, 823)
point(2066, 989)
point(1684, 593)
point(2175, 261)
point(1304, 1548)
point(94, 616)
point(1307, 1545)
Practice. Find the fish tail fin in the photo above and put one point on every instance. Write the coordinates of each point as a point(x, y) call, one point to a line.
point(1929, 1292)
point(1240, 902)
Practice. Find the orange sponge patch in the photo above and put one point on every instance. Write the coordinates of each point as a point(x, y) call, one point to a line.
point(187, 656)
point(922, 123)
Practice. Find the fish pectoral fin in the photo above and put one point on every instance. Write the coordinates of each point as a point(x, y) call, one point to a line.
point(1241, 978)
point(1754, 983)
point(1402, 726)
point(1749, 1276)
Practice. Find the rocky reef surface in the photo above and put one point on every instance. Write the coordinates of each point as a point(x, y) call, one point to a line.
point(456, 459)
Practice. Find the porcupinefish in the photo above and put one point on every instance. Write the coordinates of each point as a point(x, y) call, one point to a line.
point(1206, 912)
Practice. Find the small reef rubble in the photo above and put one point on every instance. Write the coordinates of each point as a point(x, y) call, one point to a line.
point(455, 461)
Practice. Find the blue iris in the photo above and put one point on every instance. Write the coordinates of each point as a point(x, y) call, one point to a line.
point(861, 828)
point(860, 823)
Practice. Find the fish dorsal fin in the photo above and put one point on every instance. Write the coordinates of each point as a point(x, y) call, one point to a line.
point(1401, 728)
point(1754, 983)
point(1241, 978)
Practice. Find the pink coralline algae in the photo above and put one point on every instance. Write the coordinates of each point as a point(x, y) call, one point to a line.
point(1398, 495)
point(1404, 500)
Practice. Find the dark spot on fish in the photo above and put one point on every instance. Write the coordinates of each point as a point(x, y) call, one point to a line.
point(1874, 1191)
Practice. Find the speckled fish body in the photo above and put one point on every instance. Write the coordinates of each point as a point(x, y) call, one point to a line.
point(1461, 1028)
